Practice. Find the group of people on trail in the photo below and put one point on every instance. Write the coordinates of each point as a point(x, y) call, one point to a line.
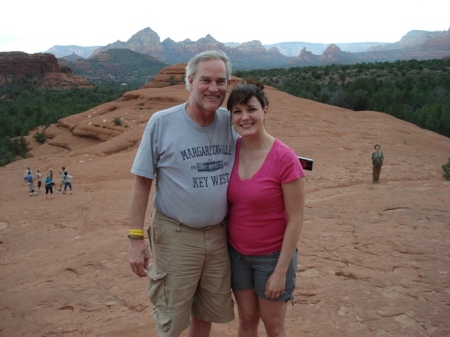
point(48, 182)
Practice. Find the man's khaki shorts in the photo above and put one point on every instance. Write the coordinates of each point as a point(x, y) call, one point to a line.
point(189, 275)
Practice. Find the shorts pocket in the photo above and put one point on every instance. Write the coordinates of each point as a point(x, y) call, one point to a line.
point(156, 291)
point(163, 321)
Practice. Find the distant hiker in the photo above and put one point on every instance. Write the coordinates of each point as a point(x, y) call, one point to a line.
point(30, 183)
point(48, 186)
point(50, 173)
point(39, 179)
point(377, 162)
point(67, 182)
point(61, 183)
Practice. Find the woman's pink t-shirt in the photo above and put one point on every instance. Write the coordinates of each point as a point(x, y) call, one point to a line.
point(257, 217)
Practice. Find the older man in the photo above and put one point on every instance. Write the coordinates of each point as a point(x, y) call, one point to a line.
point(189, 150)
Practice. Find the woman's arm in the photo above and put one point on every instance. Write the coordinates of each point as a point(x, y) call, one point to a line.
point(294, 202)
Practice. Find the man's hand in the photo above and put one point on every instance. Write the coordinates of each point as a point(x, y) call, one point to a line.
point(138, 257)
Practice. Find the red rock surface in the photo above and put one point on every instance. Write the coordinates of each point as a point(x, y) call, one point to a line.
point(373, 259)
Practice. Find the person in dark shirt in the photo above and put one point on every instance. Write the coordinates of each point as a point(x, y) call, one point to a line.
point(377, 162)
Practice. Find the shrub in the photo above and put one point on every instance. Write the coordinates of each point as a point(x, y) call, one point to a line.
point(40, 137)
point(117, 121)
point(446, 169)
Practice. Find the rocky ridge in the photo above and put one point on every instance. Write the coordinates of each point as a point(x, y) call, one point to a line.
point(252, 54)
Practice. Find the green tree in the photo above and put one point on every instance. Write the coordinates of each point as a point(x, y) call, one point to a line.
point(446, 169)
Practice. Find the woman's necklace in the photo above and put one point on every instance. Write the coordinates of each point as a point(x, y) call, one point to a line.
point(248, 158)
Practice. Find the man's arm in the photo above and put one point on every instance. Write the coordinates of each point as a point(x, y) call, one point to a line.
point(138, 254)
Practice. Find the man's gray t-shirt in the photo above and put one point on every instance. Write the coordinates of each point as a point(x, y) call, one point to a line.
point(191, 176)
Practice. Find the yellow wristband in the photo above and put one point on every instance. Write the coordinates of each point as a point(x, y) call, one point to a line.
point(136, 232)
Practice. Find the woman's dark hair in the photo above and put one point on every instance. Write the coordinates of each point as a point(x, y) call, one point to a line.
point(242, 93)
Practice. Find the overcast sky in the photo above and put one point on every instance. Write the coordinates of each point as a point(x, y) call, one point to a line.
point(35, 26)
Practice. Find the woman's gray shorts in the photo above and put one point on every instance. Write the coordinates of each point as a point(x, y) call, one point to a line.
point(253, 272)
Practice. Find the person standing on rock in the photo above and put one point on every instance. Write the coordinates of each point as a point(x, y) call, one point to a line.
point(377, 162)
point(50, 174)
point(189, 151)
point(39, 179)
point(266, 195)
point(48, 184)
point(30, 183)
point(61, 183)
point(67, 182)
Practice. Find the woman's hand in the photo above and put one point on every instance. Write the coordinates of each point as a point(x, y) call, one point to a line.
point(275, 285)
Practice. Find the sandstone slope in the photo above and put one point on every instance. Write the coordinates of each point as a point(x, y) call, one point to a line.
point(373, 259)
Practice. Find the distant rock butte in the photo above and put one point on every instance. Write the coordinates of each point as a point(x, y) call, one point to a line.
point(168, 76)
point(45, 67)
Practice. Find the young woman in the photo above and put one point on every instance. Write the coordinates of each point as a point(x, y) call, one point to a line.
point(266, 194)
point(48, 184)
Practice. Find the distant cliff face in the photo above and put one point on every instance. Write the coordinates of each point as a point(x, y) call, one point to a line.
point(18, 63)
point(15, 65)
point(418, 39)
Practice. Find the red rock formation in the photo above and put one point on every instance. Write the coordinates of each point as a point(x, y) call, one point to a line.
point(331, 54)
point(15, 65)
point(306, 56)
point(168, 76)
point(19, 63)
